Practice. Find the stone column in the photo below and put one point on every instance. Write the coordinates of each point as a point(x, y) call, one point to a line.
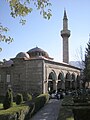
point(56, 84)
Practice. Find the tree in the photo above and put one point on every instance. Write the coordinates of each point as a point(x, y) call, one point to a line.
point(79, 58)
point(3, 37)
point(21, 8)
point(19, 99)
point(87, 64)
point(8, 101)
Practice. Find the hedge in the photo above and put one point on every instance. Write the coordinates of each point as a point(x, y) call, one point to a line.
point(8, 101)
point(39, 102)
point(81, 113)
point(27, 97)
point(36, 104)
point(15, 113)
point(23, 112)
point(19, 99)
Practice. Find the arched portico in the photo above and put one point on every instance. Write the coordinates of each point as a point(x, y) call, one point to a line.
point(59, 82)
point(60, 78)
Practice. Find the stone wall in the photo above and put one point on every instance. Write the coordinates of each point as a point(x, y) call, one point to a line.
point(31, 76)
point(34, 73)
point(25, 76)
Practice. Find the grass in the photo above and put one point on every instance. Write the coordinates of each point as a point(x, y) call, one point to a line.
point(65, 113)
point(71, 118)
point(14, 109)
point(1, 105)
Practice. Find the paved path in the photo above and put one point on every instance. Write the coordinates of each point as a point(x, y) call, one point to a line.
point(49, 111)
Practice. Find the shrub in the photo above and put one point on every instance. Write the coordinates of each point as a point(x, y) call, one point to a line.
point(81, 113)
point(36, 104)
point(19, 99)
point(15, 113)
point(8, 101)
point(40, 102)
point(1, 99)
point(27, 97)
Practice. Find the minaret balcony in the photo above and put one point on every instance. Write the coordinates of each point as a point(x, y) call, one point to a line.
point(65, 33)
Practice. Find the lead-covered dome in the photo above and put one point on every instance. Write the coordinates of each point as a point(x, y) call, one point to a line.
point(36, 52)
point(23, 55)
point(8, 63)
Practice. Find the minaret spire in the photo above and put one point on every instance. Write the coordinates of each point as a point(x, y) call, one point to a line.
point(65, 33)
point(65, 15)
point(65, 21)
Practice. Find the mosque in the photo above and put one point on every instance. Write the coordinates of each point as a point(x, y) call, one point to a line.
point(36, 72)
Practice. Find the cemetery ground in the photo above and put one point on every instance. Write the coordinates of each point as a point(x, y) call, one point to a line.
point(24, 110)
point(65, 111)
point(63, 114)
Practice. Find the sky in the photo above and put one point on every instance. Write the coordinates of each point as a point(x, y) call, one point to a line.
point(45, 34)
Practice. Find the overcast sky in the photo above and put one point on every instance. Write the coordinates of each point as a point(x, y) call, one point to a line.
point(46, 33)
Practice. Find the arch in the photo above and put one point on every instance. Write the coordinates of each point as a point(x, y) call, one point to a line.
point(68, 76)
point(61, 76)
point(67, 81)
point(73, 81)
point(52, 75)
point(60, 84)
point(73, 77)
point(78, 81)
point(52, 81)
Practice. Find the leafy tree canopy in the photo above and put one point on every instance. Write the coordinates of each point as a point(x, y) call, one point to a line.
point(21, 8)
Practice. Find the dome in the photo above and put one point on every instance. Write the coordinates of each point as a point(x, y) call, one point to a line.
point(35, 52)
point(22, 55)
point(8, 63)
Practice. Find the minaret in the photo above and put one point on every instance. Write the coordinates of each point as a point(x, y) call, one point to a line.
point(65, 33)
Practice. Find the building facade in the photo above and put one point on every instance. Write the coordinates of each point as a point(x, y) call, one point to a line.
point(35, 72)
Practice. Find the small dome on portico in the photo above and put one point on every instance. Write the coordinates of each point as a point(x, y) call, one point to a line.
point(23, 55)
